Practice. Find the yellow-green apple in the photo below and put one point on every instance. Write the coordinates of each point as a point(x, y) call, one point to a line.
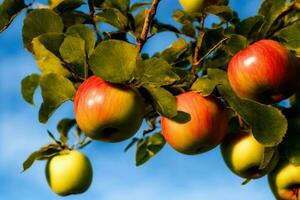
point(108, 112)
point(285, 181)
point(243, 155)
point(196, 5)
point(205, 130)
point(265, 71)
point(69, 173)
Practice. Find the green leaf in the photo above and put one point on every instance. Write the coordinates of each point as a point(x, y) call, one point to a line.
point(235, 44)
point(113, 17)
point(175, 51)
point(45, 152)
point(64, 126)
point(84, 33)
point(250, 27)
point(139, 5)
point(122, 5)
point(290, 37)
point(186, 20)
point(205, 85)
point(56, 89)
point(114, 61)
point(271, 9)
point(149, 147)
point(46, 52)
point(268, 124)
point(182, 117)
point(72, 50)
point(158, 72)
point(38, 22)
point(9, 9)
point(224, 12)
point(71, 18)
point(164, 102)
point(29, 85)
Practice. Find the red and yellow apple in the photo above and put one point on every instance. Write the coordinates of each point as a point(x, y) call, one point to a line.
point(285, 181)
point(205, 130)
point(69, 173)
point(243, 155)
point(265, 71)
point(196, 5)
point(108, 112)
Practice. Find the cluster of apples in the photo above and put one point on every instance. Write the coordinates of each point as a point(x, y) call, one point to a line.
point(265, 72)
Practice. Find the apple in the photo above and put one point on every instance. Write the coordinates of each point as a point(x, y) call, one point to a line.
point(285, 181)
point(243, 155)
point(205, 130)
point(108, 112)
point(69, 173)
point(265, 71)
point(196, 5)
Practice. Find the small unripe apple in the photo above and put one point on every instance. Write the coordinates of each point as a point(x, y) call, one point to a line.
point(265, 71)
point(205, 130)
point(243, 155)
point(69, 173)
point(196, 5)
point(285, 181)
point(108, 112)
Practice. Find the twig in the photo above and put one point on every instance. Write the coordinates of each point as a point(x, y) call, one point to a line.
point(211, 50)
point(198, 45)
point(13, 17)
point(92, 14)
point(147, 23)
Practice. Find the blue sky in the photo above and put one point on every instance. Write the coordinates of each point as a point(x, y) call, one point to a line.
point(169, 175)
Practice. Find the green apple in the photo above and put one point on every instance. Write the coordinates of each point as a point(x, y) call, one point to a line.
point(285, 181)
point(69, 173)
point(243, 155)
point(196, 5)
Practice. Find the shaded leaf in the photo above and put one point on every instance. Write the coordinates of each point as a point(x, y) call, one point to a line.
point(56, 89)
point(29, 85)
point(149, 147)
point(40, 21)
point(72, 51)
point(164, 102)
point(64, 126)
point(84, 33)
point(175, 51)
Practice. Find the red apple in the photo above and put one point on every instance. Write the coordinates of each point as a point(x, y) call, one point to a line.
point(205, 130)
point(265, 71)
point(108, 112)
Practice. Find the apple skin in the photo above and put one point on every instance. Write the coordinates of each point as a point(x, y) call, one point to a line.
point(284, 181)
point(265, 71)
point(69, 173)
point(108, 112)
point(205, 130)
point(243, 155)
point(196, 5)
